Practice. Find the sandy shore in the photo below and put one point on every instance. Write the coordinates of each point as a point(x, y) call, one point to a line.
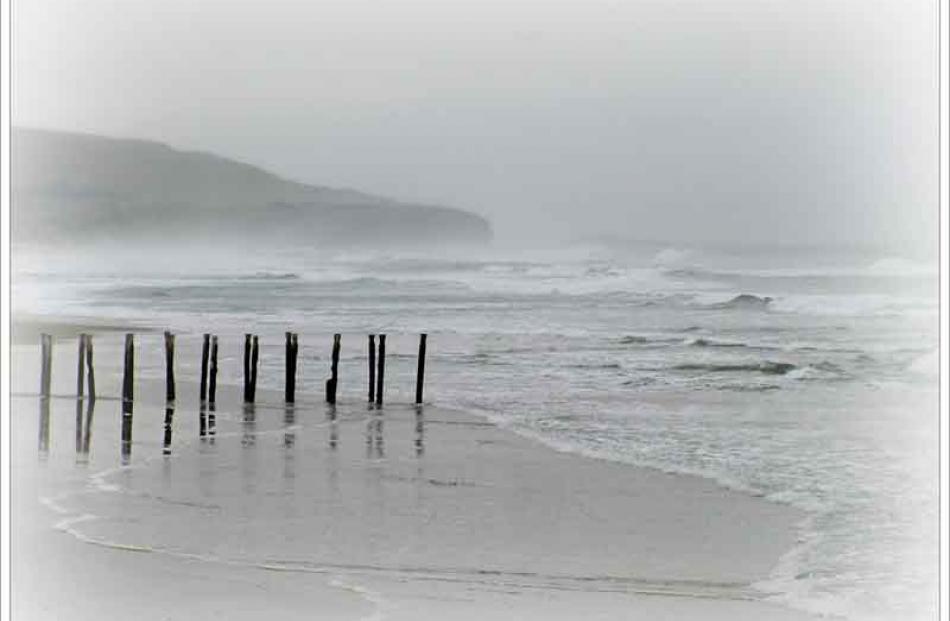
point(355, 513)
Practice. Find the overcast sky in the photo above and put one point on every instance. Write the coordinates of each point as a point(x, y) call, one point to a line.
point(759, 120)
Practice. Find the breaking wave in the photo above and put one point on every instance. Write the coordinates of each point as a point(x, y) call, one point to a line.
point(767, 367)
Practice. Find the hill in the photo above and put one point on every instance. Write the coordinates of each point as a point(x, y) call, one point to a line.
point(81, 187)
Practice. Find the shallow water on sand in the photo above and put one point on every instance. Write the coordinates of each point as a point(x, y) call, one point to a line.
point(807, 378)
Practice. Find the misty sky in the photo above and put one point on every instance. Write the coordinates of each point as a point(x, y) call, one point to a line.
point(753, 120)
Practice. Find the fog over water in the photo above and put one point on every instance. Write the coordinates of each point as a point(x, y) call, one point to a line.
point(732, 121)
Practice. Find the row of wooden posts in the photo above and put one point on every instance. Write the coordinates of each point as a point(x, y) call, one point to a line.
point(209, 368)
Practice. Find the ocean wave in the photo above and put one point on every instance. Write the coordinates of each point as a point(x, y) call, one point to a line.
point(767, 367)
point(596, 365)
point(743, 301)
point(749, 387)
point(634, 340)
point(704, 342)
point(697, 273)
point(823, 370)
point(266, 275)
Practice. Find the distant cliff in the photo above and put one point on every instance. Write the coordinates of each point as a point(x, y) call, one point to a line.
point(83, 188)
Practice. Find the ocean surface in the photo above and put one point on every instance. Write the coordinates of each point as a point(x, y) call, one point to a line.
point(802, 375)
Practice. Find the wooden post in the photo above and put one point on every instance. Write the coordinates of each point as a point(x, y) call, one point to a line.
point(254, 358)
point(213, 379)
point(81, 371)
point(293, 359)
point(290, 367)
point(128, 384)
point(380, 370)
point(372, 368)
point(288, 397)
point(334, 370)
point(421, 369)
point(169, 367)
point(128, 380)
point(46, 364)
point(203, 389)
point(212, 386)
point(90, 373)
point(247, 368)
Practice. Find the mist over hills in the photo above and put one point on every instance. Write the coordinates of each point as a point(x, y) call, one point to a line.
point(83, 188)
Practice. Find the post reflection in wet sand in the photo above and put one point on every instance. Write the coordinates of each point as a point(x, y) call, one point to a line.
point(374, 436)
point(420, 432)
point(212, 423)
point(334, 428)
point(126, 444)
point(203, 421)
point(290, 440)
point(84, 429)
point(167, 441)
point(78, 428)
point(44, 427)
point(250, 425)
point(290, 414)
point(249, 457)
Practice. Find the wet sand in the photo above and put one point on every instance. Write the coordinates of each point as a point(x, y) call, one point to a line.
point(357, 513)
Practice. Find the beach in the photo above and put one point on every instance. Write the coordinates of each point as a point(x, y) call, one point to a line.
point(354, 513)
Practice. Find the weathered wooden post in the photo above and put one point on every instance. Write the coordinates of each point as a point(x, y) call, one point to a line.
point(128, 383)
point(380, 370)
point(212, 386)
point(372, 368)
point(334, 370)
point(293, 359)
point(46, 364)
point(203, 388)
point(247, 368)
point(421, 368)
point(90, 372)
point(169, 367)
point(213, 379)
point(254, 358)
point(290, 366)
point(81, 376)
point(288, 397)
point(128, 368)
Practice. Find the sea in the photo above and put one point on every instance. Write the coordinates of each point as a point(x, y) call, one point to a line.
point(804, 375)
